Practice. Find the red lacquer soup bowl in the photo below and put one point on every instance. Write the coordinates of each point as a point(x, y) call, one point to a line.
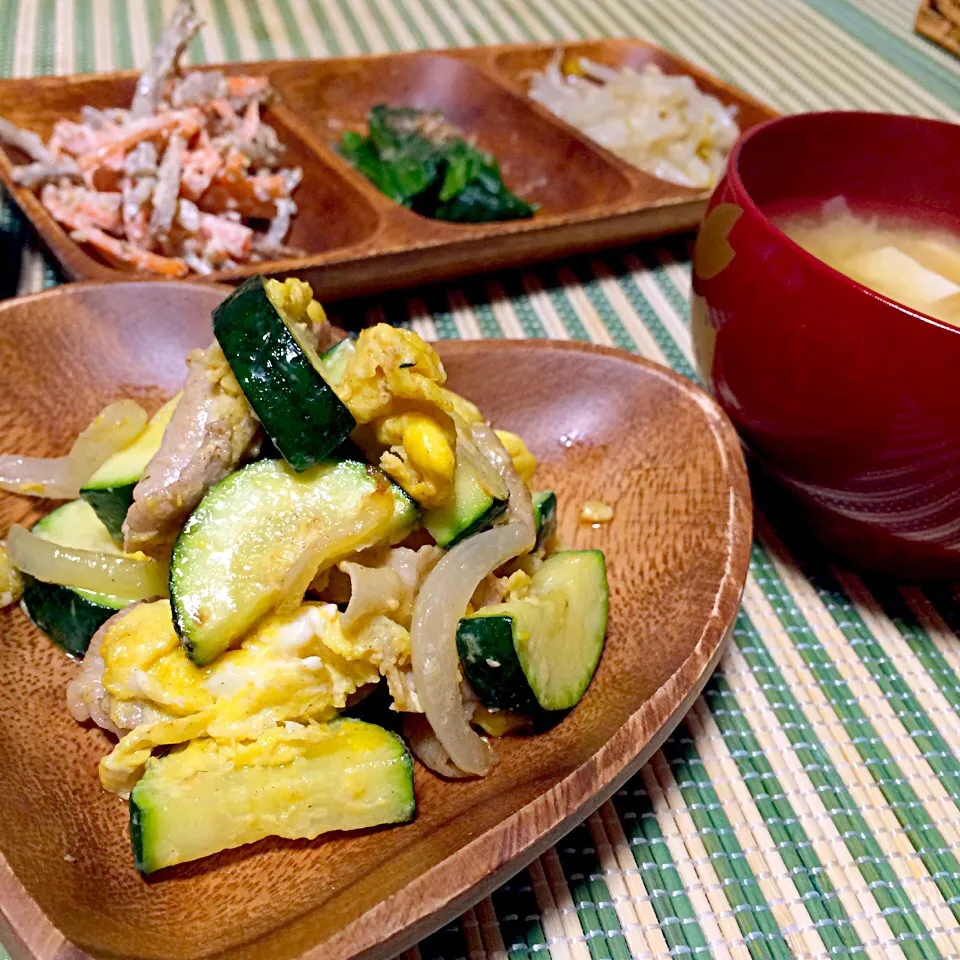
point(850, 401)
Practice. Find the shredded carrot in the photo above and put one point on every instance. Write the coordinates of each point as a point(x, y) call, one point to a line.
point(235, 164)
point(74, 206)
point(245, 86)
point(72, 138)
point(241, 196)
point(223, 110)
point(234, 238)
point(199, 168)
point(127, 253)
point(251, 120)
point(167, 188)
point(114, 145)
point(137, 227)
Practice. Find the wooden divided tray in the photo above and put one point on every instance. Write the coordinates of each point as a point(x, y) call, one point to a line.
point(357, 240)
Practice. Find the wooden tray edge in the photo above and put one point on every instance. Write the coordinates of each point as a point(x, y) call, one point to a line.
point(456, 239)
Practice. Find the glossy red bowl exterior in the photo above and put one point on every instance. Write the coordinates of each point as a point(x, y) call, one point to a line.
point(850, 401)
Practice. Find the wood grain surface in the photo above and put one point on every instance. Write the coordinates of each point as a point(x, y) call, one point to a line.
point(357, 240)
point(939, 21)
point(602, 423)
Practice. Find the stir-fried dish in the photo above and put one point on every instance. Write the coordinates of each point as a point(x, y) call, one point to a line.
point(311, 519)
point(188, 178)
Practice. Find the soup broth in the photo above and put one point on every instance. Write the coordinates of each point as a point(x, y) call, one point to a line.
point(911, 263)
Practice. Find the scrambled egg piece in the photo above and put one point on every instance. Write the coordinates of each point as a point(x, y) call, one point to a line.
point(298, 667)
point(419, 456)
point(393, 386)
point(392, 370)
point(294, 298)
point(277, 747)
point(499, 723)
point(468, 412)
point(524, 461)
point(518, 585)
point(11, 586)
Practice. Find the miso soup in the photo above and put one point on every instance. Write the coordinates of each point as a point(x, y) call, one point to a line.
point(914, 264)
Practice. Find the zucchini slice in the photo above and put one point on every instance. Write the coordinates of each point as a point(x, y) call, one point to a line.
point(241, 542)
point(110, 490)
point(68, 616)
point(471, 510)
point(333, 362)
point(545, 515)
point(543, 650)
point(279, 372)
point(209, 796)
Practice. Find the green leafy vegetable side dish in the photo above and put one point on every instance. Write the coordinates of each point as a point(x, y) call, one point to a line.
point(418, 160)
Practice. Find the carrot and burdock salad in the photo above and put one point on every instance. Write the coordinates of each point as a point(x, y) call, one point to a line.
point(188, 178)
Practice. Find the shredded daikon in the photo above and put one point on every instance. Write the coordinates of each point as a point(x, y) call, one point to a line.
point(661, 123)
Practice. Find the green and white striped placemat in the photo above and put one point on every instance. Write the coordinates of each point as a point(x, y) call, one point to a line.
point(809, 805)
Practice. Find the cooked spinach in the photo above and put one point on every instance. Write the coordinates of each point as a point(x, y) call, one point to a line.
point(441, 176)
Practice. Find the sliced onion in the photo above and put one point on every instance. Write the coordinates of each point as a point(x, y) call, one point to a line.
point(443, 600)
point(118, 576)
point(427, 748)
point(336, 540)
point(467, 450)
point(520, 506)
point(116, 426)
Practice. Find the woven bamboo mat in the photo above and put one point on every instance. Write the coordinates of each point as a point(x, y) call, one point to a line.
point(809, 805)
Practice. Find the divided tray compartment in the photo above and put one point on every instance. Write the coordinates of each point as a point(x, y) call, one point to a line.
point(333, 214)
point(357, 241)
point(513, 65)
point(539, 160)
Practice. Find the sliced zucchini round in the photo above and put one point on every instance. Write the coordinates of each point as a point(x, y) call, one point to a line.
point(68, 616)
point(542, 650)
point(243, 539)
point(280, 373)
point(110, 490)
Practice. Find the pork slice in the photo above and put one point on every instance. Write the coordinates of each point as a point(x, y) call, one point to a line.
point(88, 699)
point(212, 431)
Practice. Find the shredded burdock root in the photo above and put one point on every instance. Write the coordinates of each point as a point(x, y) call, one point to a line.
point(188, 179)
